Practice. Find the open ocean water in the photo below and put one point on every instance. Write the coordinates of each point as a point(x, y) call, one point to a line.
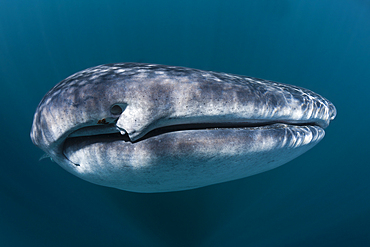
point(322, 198)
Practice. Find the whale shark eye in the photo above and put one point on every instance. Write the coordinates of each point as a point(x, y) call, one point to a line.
point(117, 109)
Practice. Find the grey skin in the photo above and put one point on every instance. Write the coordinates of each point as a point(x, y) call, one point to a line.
point(156, 128)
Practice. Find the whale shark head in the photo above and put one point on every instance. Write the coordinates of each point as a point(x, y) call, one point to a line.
point(156, 128)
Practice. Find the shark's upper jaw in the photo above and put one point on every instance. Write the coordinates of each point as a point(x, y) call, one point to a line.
point(110, 126)
point(139, 98)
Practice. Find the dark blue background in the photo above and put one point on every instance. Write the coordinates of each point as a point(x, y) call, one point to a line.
point(319, 199)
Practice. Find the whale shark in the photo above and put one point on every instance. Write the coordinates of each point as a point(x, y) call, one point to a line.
point(156, 128)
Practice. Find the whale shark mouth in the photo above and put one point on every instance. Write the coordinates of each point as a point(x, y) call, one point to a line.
point(110, 131)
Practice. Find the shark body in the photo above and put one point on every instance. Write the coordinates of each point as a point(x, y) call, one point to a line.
point(156, 128)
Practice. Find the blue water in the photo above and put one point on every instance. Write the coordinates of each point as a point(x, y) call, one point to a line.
point(319, 199)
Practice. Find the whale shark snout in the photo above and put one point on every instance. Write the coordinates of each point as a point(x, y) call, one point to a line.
point(157, 128)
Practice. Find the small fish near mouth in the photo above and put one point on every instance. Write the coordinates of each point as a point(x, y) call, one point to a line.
point(156, 128)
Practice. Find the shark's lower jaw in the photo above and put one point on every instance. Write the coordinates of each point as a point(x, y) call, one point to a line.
point(171, 160)
point(110, 134)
